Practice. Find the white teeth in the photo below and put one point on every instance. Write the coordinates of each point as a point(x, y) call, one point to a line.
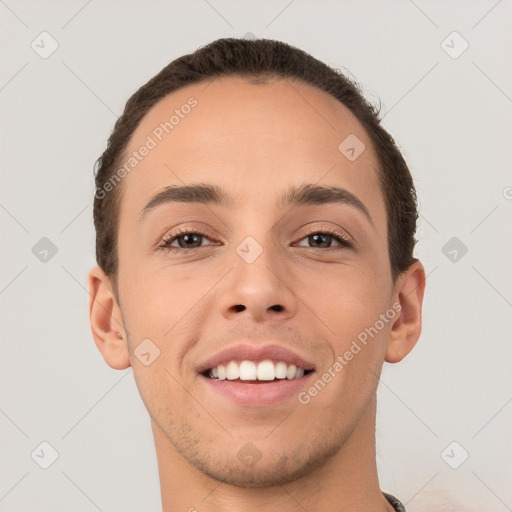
point(249, 370)
point(290, 373)
point(266, 370)
point(232, 371)
point(281, 370)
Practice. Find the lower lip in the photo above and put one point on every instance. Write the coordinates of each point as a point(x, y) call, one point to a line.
point(266, 393)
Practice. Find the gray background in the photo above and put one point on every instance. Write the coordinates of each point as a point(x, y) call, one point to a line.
point(452, 118)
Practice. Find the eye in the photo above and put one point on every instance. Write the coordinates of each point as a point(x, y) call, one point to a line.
point(323, 238)
point(183, 241)
point(186, 240)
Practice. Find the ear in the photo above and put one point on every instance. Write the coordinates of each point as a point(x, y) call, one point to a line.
point(106, 321)
point(406, 329)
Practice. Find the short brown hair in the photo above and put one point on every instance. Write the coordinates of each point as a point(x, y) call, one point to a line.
point(257, 60)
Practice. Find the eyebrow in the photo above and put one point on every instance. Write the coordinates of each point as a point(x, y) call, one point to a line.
point(303, 195)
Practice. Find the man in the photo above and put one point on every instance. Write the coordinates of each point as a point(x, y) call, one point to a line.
point(255, 228)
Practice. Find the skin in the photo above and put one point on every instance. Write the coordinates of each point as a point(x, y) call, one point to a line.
point(254, 141)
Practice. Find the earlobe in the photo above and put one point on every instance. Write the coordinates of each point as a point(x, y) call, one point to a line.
point(406, 329)
point(106, 322)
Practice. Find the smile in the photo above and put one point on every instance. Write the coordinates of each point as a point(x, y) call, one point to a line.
point(246, 370)
point(255, 375)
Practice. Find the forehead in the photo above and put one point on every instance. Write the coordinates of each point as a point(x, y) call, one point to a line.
point(251, 139)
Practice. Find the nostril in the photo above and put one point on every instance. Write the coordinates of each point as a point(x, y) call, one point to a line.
point(277, 307)
point(239, 307)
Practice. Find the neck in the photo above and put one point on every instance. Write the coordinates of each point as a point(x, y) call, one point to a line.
point(345, 482)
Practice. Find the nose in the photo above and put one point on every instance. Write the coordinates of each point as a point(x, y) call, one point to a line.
point(260, 290)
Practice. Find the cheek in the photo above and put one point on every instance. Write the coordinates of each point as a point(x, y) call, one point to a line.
point(154, 302)
point(353, 308)
point(159, 389)
point(352, 300)
point(168, 308)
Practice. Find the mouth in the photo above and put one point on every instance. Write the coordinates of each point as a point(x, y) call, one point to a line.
point(255, 376)
point(253, 372)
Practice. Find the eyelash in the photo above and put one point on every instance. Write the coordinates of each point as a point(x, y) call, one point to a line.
point(337, 235)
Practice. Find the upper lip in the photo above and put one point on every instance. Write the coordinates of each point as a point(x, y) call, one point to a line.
point(256, 353)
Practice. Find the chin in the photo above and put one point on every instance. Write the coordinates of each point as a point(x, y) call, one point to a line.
point(261, 474)
point(249, 469)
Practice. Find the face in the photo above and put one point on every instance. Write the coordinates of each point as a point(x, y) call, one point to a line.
point(218, 287)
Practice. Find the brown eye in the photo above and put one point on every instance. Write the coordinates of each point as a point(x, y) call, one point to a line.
point(189, 241)
point(184, 241)
point(320, 240)
point(325, 239)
